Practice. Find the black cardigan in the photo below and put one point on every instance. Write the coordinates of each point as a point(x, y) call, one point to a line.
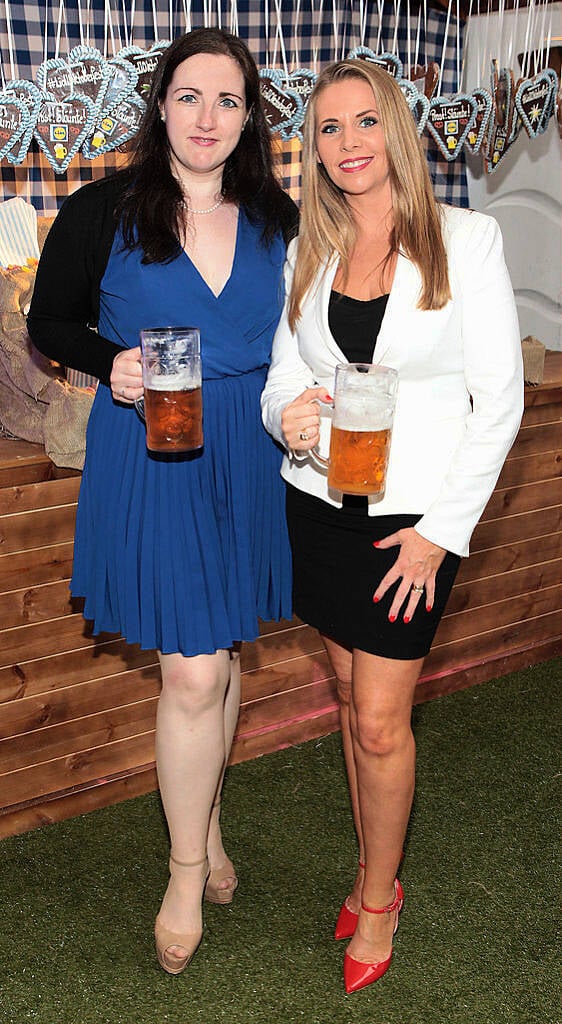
point(66, 299)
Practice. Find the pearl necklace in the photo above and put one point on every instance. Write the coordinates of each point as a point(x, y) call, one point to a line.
point(211, 209)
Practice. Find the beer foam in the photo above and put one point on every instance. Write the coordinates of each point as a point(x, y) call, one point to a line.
point(357, 413)
point(171, 382)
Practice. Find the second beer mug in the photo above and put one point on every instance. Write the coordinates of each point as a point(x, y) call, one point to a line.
point(171, 374)
point(364, 401)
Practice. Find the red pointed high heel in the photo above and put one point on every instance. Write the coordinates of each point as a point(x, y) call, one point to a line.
point(347, 919)
point(357, 974)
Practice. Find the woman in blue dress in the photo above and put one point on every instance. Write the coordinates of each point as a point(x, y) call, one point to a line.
point(182, 553)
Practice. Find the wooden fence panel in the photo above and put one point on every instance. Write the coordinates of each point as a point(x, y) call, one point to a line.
point(77, 712)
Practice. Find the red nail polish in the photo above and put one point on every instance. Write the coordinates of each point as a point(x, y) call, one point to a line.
point(375, 543)
point(375, 599)
point(428, 607)
point(329, 398)
point(406, 618)
point(392, 618)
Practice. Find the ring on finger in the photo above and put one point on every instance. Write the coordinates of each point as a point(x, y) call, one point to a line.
point(303, 435)
point(417, 589)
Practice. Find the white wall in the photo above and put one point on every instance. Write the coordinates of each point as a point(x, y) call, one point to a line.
point(525, 193)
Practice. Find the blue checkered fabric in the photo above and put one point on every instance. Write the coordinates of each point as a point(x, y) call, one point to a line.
point(313, 35)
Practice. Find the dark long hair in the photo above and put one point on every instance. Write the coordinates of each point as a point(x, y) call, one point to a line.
point(151, 205)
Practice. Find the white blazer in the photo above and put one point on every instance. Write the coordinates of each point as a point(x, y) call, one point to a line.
point(460, 391)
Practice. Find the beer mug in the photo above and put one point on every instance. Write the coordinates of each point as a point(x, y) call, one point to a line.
point(171, 374)
point(364, 401)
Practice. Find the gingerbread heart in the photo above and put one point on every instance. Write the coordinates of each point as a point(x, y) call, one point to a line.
point(389, 61)
point(89, 72)
point(499, 141)
point(144, 63)
point(283, 108)
point(62, 127)
point(116, 128)
point(14, 120)
point(121, 82)
point(550, 111)
point(28, 94)
point(503, 95)
point(449, 121)
point(301, 82)
point(54, 78)
point(477, 133)
point(425, 77)
point(417, 102)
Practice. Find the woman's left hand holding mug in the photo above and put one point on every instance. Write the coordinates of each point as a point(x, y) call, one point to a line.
point(126, 376)
point(300, 420)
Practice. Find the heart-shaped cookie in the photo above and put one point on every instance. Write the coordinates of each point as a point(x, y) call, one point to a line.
point(284, 109)
point(89, 72)
point(498, 142)
point(115, 128)
point(550, 110)
point(54, 78)
point(389, 61)
point(28, 94)
point(477, 133)
point(502, 95)
point(417, 102)
point(14, 120)
point(62, 127)
point(425, 77)
point(121, 82)
point(302, 82)
point(144, 63)
point(533, 100)
point(299, 82)
point(449, 121)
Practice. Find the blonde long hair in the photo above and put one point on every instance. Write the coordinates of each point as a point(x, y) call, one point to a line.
point(327, 225)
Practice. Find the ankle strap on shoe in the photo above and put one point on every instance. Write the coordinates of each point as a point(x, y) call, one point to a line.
point(395, 905)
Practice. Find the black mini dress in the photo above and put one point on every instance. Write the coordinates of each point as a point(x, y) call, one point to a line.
point(336, 569)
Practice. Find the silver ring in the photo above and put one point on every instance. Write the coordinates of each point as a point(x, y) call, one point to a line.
point(416, 589)
point(303, 435)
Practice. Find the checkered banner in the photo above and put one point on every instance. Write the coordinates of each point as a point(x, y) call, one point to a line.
point(312, 33)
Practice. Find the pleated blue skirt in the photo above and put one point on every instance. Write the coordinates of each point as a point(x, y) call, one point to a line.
point(183, 553)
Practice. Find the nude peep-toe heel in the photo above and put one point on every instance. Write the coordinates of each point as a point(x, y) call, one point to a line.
point(164, 938)
point(214, 893)
point(224, 895)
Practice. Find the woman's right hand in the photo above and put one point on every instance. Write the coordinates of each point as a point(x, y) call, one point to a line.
point(300, 420)
point(126, 376)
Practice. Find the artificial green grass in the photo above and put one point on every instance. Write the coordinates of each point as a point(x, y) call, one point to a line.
point(476, 943)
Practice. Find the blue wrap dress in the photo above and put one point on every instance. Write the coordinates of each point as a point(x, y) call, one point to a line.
point(184, 553)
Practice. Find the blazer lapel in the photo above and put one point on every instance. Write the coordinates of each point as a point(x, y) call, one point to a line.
point(322, 307)
point(401, 301)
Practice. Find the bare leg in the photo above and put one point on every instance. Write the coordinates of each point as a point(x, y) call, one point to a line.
point(190, 757)
point(215, 849)
point(342, 662)
point(384, 749)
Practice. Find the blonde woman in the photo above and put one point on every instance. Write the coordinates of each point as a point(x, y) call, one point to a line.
point(381, 273)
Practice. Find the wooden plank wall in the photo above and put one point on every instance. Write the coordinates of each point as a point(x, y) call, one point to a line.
point(77, 713)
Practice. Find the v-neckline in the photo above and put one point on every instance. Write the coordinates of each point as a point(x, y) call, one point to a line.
point(218, 295)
